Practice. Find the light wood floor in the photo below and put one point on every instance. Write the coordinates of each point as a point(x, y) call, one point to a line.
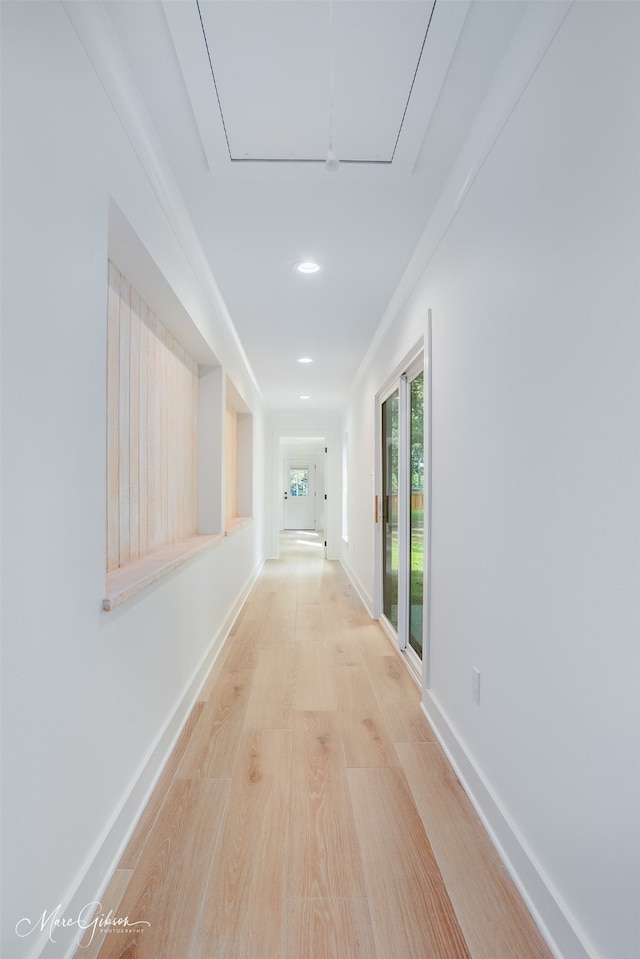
point(307, 811)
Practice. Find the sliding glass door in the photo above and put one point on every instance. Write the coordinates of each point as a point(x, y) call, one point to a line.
point(403, 510)
point(416, 512)
point(390, 410)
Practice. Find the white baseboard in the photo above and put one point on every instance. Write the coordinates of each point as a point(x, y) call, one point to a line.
point(553, 920)
point(559, 929)
point(365, 599)
point(104, 858)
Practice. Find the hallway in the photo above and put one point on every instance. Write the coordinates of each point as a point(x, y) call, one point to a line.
point(307, 811)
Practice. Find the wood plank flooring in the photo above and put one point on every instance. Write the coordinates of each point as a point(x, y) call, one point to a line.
point(307, 811)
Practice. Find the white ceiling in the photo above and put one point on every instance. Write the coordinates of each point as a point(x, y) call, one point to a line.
point(247, 154)
point(284, 75)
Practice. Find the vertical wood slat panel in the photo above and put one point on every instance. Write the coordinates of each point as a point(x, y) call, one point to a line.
point(231, 448)
point(189, 427)
point(183, 450)
point(152, 344)
point(193, 419)
point(173, 400)
point(164, 441)
point(152, 400)
point(134, 428)
point(168, 437)
point(124, 480)
point(113, 393)
point(156, 440)
point(142, 427)
point(179, 470)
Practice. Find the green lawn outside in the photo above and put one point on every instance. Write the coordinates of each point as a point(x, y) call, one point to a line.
point(417, 557)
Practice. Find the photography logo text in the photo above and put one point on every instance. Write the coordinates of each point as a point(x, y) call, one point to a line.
point(91, 917)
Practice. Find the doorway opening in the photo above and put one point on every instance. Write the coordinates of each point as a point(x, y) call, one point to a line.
point(301, 485)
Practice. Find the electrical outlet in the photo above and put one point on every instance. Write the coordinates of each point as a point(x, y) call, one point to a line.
point(475, 684)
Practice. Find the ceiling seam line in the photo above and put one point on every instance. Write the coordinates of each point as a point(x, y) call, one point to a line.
point(406, 106)
point(213, 77)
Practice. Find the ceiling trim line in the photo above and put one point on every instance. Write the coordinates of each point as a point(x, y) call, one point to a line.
point(413, 81)
point(446, 22)
point(213, 77)
point(322, 161)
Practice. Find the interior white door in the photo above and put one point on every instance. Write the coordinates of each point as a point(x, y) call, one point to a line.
point(299, 508)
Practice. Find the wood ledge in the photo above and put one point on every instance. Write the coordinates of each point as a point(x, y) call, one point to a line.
point(234, 524)
point(127, 581)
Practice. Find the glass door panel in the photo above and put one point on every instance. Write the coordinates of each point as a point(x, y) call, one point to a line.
point(299, 508)
point(390, 422)
point(416, 520)
point(298, 481)
point(403, 527)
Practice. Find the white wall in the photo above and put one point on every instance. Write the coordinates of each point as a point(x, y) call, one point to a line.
point(358, 551)
point(87, 696)
point(536, 479)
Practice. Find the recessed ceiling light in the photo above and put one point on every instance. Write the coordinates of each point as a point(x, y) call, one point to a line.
point(305, 359)
point(304, 397)
point(307, 266)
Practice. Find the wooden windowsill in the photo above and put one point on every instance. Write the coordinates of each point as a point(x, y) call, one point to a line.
point(124, 583)
point(234, 524)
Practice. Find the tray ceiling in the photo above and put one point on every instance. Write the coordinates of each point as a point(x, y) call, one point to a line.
point(259, 76)
point(271, 66)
